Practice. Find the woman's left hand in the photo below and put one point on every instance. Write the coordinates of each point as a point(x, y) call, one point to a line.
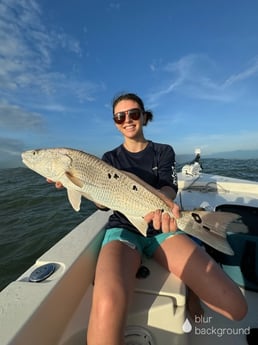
point(162, 220)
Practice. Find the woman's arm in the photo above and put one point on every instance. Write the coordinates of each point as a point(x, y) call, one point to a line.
point(168, 192)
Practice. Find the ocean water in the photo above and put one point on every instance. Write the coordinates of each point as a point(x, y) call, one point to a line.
point(34, 215)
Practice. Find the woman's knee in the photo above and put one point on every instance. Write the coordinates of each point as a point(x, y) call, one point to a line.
point(239, 308)
point(110, 302)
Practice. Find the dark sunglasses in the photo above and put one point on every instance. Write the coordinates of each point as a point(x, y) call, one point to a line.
point(134, 114)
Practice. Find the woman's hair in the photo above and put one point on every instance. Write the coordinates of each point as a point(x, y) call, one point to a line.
point(138, 100)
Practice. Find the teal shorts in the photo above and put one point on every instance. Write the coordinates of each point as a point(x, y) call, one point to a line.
point(144, 245)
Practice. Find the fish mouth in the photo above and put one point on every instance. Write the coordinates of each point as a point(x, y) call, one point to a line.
point(27, 163)
point(24, 160)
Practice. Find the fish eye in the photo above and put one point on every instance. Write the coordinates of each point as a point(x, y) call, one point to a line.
point(35, 152)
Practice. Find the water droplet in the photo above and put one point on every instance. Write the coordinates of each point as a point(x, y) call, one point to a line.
point(187, 327)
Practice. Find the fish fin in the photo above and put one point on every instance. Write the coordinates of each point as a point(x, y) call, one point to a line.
point(222, 222)
point(236, 224)
point(75, 180)
point(74, 198)
point(139, 223)
point(211, 228)
point(217, 242)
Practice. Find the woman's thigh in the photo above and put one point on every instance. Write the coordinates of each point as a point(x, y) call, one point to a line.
point(113, 287)
point(190, 262)
point(116, 269)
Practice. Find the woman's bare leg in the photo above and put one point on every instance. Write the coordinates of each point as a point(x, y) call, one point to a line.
point(202, 275)
point(193, 305)
point(114, 283)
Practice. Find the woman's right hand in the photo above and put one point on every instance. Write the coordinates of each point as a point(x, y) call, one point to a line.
point(57, 183)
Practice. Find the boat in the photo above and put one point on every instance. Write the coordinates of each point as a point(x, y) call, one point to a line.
point(49, 303)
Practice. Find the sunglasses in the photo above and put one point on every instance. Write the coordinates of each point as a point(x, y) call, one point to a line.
point(134, 114)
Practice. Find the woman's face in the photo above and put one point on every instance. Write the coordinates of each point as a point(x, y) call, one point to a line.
point(130, 128)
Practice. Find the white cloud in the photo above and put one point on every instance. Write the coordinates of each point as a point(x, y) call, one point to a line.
point(28, 51)
point(246, 74)
point(15, 118)
point(197, 77)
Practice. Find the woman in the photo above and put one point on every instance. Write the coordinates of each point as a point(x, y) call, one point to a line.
point(123, 246)
point(120, 255)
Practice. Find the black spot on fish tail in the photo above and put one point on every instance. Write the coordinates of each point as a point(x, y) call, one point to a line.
point(196, 218)
point(109, 175)
point(135, 187)
point(116, 176)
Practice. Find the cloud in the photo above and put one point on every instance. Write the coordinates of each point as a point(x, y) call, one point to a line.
point(197, 76)
point(246, 74)
point(114, 5)
point(23, 38)
point(29, 53)
point(11, 146)
point(10, 152)
point(15, 118)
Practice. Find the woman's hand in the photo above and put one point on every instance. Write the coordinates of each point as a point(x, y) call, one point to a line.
point(162, 220)
point(57, 184)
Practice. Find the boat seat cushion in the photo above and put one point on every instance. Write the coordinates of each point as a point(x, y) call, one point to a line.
point(242, 267)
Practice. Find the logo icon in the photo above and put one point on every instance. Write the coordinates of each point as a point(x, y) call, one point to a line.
point(187, 327)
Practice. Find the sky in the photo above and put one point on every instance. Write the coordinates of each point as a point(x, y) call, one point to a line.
point(194, 63)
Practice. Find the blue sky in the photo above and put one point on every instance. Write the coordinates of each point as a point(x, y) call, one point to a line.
point(194, 63)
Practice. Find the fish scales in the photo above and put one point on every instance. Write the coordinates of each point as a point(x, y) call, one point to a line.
point(114, 188)
point(86, 175)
